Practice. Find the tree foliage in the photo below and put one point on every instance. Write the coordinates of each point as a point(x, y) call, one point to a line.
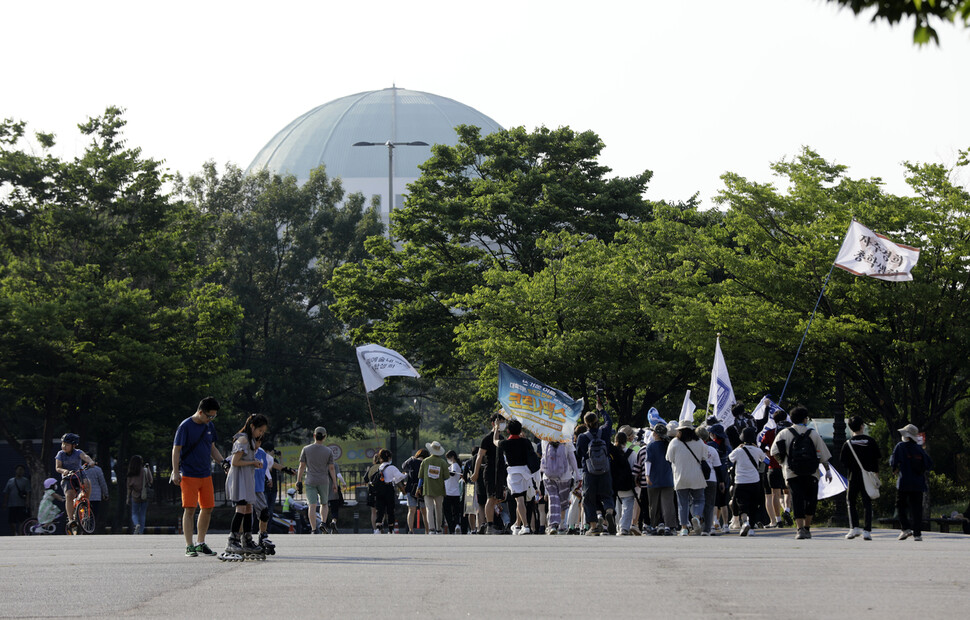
point(924, 13)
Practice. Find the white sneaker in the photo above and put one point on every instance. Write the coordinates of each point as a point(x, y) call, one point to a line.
point(696, 524)
point(745, 527)
point(457, 529)
point(684, 532)
point(905, 534)
point(515, 530)
point(377, 531)
point(524, 530)
point(854, 533)
point(705, 533)
point(866, 535)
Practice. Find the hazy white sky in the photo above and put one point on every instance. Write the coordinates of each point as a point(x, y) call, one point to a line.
point(686, 89)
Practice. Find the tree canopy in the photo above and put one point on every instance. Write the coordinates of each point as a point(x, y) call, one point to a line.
point(924, 13)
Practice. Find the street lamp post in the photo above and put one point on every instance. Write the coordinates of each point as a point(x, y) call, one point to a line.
point(390, 169)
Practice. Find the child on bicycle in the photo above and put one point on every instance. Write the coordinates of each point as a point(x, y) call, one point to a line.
point(48, 510)
point(241, 484)
point(68, 461)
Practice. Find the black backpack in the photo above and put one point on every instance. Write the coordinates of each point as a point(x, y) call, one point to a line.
point(917, 464)
point(598, 455)
point(802, 456)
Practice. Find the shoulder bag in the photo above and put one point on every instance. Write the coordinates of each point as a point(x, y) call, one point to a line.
point(870, 479)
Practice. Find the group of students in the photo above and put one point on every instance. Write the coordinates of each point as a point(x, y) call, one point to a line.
point(682, 480)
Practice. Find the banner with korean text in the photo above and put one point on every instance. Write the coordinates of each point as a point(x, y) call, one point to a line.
point(545, 411)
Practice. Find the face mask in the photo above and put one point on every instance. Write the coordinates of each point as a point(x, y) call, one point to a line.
point(502, 426)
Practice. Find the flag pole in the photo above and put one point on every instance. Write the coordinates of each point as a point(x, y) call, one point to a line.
point(805, 333)
point(372, 421)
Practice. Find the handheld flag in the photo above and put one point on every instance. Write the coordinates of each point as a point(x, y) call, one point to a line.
point(865, 253)
point(687, 409)
point(830, 489)
point(721, 394)
point(653, 417)
point(548, 413)
point(765, 408)
point(377, 362)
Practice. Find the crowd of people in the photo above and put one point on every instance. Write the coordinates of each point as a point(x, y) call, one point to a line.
point(661, 480)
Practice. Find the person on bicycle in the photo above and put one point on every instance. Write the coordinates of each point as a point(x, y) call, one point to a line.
point(48, 510)
point(68, 461)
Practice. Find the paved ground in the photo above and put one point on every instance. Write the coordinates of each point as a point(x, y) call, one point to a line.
point(362, 576)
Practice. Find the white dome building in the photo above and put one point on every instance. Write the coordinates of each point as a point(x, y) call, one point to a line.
point(381, 123)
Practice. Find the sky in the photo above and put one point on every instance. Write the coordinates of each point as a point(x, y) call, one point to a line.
point(689, 90)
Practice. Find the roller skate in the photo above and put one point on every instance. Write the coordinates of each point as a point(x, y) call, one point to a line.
point(268, 547)
point(233, 552)
point(250, 550)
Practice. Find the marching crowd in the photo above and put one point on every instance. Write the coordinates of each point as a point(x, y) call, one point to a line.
point(661, 480)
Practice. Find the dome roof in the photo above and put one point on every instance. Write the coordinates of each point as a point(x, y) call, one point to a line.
point(325, 135)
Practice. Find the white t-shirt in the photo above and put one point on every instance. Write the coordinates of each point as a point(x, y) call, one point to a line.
point(714, 461)
point(744, 471)
point(393, 474)
point(453, 481)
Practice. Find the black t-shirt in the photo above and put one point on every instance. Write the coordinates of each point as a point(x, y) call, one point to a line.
point(515, 452)
point(866, 449)
point(488, 446)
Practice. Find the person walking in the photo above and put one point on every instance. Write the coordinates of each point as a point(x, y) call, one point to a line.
point(514, 452)
point(139, 480)
point(412, 469)
point(686, 454)
point(559, 473)
point(317, 465)
point(388, 478)
point(453, 497)
point(658, 476)
point(621, 470)
point(192, 453)
point(800, 450)
point(592, 456)
point(431, 486)
point(748, 461)
point(910, 463)
point(99, 494)
point(860, 454)
point(16, 497)
point(485, 475)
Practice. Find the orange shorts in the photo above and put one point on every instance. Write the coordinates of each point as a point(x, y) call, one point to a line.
point(197, 492)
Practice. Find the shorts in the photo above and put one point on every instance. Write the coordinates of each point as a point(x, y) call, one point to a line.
point(414, 502)
point(493, 489)
point(317, 493)
point(519, 480)
point(74, 483)
point(197, 492)
point(260, 503)
point(776, 479)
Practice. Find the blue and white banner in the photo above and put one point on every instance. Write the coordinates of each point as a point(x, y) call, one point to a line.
point(546, 412)
point(828, 489)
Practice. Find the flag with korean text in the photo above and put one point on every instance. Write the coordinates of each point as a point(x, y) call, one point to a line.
point(377, 362)
point(866, 253)
point(545, 411)
point(721, 394)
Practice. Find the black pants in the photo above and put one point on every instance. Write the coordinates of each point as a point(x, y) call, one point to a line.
point(453, 506)
point(858, 488)
point(748, 497)
point(804, 495)
point(644, 500)
point(909, 506)
point(385, 507)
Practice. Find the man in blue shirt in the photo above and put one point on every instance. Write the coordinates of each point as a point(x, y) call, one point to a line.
point(192, 453)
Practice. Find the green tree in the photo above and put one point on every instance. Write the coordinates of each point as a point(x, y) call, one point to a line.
point(275, 245)
point(108, 329)
point(899, 345)
point(925, 13)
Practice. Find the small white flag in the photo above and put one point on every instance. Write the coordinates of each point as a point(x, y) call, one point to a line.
point(377, 362)
point(828, 489)
point(865, 253)
point(688, 408)
point(721, 394)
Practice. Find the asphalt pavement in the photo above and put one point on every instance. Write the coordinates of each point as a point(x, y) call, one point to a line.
point(769, 574)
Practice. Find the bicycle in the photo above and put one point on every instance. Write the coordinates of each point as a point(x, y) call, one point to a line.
point(83, 522)
point(33, 526)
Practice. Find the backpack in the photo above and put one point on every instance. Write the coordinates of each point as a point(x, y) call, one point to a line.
point(802, 455)
point(554, 462)
point(598, 456)
point(620, 468)
point(376, 483)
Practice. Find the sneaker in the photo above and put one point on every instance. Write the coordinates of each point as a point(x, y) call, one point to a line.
point(319, 530)
point(490, 529)
point(624, 533)
point(610, 521)
point(481, 529)
point(333, 528)
point(853, 533)
point(905, 534)
point(745, 528)
point(377, 531)
point(572, 532)
point(524, 530)
point(705, 533)
point(204, 549)
point(552, 530)
point(866, 535)
point(808, 532)
point(917, 538)
point(191, 552)
point(788, 520)
point(801, 534)
point(137, 529)
point(684, 532)
point(695, 524)
point(668, 532)
point(457, 530)
point(636, 531)
point(596, 530)
point(515, 529)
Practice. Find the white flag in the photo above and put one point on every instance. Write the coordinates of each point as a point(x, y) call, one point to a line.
point(688, 408)
point(721, 394)
point(830, 489)
point(865, 253)
point(377, 362)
